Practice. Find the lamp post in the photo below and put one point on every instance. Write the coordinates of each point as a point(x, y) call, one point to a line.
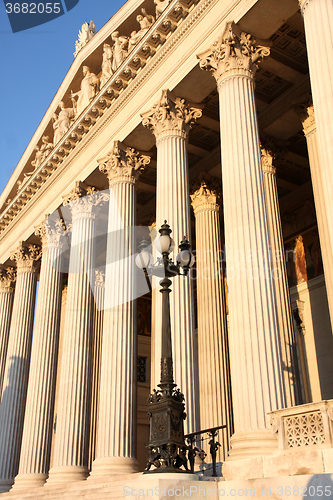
point(167, 448)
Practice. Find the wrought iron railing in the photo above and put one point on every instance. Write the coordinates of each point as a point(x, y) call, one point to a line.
point(196, 443)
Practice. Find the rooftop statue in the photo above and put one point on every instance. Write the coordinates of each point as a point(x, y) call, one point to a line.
point(161, 5)
point(145, 20)
point(62, 122)
point(119, 51)
point(89, 86)
point(106, 64)
point(85, 35)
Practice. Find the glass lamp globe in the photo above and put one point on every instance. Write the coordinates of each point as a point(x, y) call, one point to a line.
point(163, 243)
point(143, 259)
point(185, 259)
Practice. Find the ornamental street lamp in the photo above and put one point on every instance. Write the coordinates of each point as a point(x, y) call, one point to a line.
point(167, 448)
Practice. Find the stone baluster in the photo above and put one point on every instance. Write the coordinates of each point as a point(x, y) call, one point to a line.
point(37, 430)
point(96, 361)
point(318, 22)
point(14, 391)
point(269, 152)
point(170, 120)
point(7, 279)
point(70, 458)
point(116, 436)
point(306, 114)
point(255, 357)
point(213, 350)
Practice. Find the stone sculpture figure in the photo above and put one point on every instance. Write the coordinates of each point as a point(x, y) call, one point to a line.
point(42, 152)
point(86, 33)
point(161, 5)
point(89, 86)
point(119, 51)
point(106, 64)
point(145, 20)
point(300, 260)
point(62, 122)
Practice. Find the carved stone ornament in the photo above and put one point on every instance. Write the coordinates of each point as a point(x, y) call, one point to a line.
point(99, 278)
point(84, 200)
point(171, 116)
point(206, 198)
point(123, 163)
point(236, 52)
point(51, 232)
point(26, 257)
point(86, 33)
point(7, 278)
point(272, 153)
point(305, 112)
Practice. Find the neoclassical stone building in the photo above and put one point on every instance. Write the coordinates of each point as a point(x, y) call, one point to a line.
point(215, 115)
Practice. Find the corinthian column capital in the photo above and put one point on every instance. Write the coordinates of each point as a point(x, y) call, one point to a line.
point(302, 5)
point(50, 232)
point(99, 278)
point(7, 278)
point(271, 153)
point(84, 200)
point(234, 53)
point(206, 198)
point(171, 115)
point(26, 257)
point(305, 112)
point(123, 164)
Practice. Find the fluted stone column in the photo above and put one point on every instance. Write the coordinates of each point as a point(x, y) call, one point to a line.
point(318, 21)
point(37, 430)
point(72, 433)
point(7, 279)
point(287, 335)
point(170, 121)
point(213, 351)
point(96, 361)
point(255, 358)
point(116, 436)
point(306, 114)
point(14, 391)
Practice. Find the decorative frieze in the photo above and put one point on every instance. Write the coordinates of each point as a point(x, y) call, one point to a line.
point(123, 163)
point(171, 115)
point(235, 52)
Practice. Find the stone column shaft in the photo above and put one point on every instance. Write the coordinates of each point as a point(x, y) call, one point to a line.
point(37, 431)
point(284, 314)
point(213, 351)
point(318, 21)
point(15, 384)
point(7, 279)
point(72, 432)
point(116, 436)
point(170, 121)
point(255, 358)
point(306, 113)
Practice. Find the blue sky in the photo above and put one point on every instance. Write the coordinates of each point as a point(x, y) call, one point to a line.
point(33, 64)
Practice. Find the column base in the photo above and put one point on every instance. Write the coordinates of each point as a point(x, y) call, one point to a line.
point(114, 465)
point(29, 481)
point(5, 485)
point(252, 444)
point(69, 473)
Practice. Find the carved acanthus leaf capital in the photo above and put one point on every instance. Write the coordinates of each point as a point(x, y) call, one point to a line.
point(171, 116)
point(51, 232)
point(235, 52)
point(305, 112)
point(84, 200)
point(7, 279)
point(123, 163)
point(26, 257)
point(272, 153)
point(99, 278)
point(204, 197)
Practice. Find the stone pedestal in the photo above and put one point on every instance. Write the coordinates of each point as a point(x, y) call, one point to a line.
point(318, 21)
point(37, 431)
point(7, 278)
point(306, 114)
point(269, 152)
point(170, 121)
point(255, 358)
point(116, 435)
point(213, 350)
point(72, 428)
point(15, 383)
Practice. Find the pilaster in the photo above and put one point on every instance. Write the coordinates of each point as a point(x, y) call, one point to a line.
point(170, 120)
